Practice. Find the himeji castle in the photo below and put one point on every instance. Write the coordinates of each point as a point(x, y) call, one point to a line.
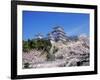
point(58, 34)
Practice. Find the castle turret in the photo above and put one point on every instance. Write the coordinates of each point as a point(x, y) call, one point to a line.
point(39, 36)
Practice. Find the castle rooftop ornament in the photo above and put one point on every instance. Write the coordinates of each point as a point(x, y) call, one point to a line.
point(39, 36)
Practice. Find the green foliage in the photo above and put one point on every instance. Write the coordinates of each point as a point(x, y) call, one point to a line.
point(26, 65)
point(25, 46)
point(36, 44)
point(51, 53)
point(55, 50)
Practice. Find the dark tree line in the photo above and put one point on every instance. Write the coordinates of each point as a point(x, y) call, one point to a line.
point(38, 44)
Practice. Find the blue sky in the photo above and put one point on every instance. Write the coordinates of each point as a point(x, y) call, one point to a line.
point(43, 22)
